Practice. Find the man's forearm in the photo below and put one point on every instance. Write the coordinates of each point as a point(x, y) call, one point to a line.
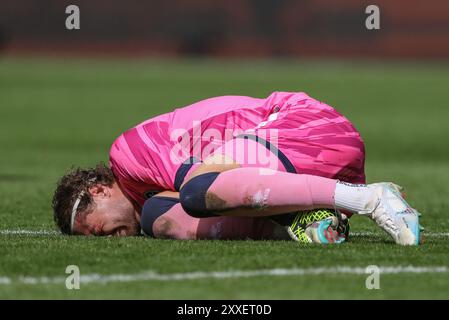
point(175, 223)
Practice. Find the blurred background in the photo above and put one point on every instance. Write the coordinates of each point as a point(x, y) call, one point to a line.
point(223, 28)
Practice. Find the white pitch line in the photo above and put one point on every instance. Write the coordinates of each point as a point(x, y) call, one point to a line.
point(376, 234)
point(155, 276)
point(436, 234)
point(54, 232)
point(29, 232)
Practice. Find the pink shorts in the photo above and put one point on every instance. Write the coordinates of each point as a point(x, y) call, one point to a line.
point(308, 137)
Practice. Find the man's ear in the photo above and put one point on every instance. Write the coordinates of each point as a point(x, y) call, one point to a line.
point(100, 190)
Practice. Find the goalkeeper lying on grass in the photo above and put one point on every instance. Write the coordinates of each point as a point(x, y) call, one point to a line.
point(235, 167)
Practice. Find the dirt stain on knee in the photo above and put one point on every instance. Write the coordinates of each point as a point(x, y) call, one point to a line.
point(162, 227)
point(214, 202)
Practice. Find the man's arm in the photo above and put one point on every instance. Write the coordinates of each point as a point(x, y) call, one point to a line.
point(163, 217)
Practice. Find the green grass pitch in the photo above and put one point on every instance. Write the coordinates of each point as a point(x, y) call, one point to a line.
point(55, 114)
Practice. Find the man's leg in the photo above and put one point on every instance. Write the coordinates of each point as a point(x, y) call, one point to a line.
point(265, 192)
point(255, 192)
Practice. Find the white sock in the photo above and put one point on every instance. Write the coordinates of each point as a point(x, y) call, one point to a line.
point(354, 198)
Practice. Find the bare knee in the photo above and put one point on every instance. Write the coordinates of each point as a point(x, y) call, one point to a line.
point(208, 167)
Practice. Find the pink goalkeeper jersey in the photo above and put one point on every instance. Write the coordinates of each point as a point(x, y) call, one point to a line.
point(313, 137)
point(147, 157)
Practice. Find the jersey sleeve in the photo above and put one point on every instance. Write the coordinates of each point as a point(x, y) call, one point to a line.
point(137, 160)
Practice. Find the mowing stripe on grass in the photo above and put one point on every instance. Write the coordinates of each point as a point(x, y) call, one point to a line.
point(155, 276)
